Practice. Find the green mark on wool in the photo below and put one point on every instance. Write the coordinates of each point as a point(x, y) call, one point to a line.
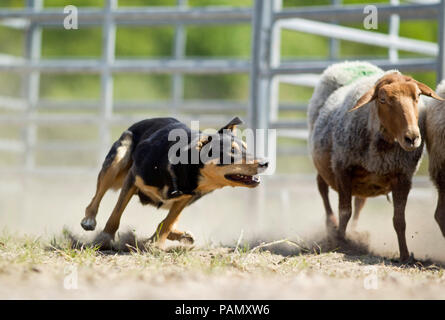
point(359, 71)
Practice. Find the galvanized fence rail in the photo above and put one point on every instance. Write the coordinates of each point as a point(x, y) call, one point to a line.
point(266, 67)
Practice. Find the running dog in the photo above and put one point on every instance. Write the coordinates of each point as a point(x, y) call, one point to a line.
point(140, 163)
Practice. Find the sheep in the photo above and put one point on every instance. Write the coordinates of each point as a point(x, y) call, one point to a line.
point(365, 139)
point(435, 144)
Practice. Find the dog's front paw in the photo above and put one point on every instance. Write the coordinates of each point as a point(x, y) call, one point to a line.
point(187, 238)
point(103, 241)
point(88, 223)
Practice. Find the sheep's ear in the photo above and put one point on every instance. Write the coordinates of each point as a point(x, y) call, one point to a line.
point(231, 125)
point(427, 91)
point(367, 97)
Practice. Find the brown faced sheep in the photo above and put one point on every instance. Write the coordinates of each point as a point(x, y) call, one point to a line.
point(435, 143)
point(365, 139)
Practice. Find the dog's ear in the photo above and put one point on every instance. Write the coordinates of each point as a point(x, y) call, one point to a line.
point(231, 125)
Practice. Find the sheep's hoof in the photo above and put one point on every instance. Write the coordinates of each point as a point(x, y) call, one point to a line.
point(187, 238)
point(409, 261)
point(88, 223)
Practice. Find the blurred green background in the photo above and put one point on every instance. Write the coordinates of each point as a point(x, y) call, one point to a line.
point(232, 41)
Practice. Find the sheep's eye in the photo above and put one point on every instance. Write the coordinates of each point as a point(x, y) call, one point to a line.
point(382, 100)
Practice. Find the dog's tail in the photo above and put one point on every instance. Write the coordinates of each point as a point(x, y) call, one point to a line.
point(120, 152)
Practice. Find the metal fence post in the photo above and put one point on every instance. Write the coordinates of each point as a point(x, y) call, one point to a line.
point(274, 61)
point(108, 56)
point(260, 90)
point(179, 53)
point(394, 24)
point(334, 44)
point(260, 67)
point(441, 34)
point(33, 46)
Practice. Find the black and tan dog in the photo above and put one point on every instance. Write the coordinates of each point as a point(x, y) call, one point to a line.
point(139, 163)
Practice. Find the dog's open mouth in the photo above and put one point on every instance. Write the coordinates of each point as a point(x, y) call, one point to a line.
point(244, 179)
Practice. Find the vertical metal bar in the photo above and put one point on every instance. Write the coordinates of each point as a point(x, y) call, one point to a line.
point(275, 57)
point(108, 56)
point(334, 44)
point(179, 53)
point(260, 91)
point(394, 24)
point(260, 65)
point(441, 34)
point(32, 83)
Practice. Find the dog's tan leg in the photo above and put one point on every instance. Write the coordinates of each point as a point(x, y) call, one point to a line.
point(359, 203)
point(116, 165)
point(181, 236)
point(105, 181)
point(168, 224)
point(128, 190)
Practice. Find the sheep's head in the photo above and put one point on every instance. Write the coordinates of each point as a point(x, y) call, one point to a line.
point(396, 98)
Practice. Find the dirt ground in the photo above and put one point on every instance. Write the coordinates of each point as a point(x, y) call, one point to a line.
point(226, 261)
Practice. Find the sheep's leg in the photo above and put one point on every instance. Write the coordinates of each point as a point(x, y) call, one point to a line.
point(323, 188)
point(359, 203)
point(400, 190)
point(345, 201)
point(439, 215)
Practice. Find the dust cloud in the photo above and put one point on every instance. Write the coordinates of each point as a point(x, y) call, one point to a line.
point(282, 207)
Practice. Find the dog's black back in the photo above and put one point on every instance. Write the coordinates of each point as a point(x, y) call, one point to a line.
point(150, 156)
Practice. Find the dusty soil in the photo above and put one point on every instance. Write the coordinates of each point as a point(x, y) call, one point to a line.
point(36, 263)
point(33, 269)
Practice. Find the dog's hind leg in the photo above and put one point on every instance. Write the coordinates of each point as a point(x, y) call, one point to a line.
point(359, 203)
point(167, 226)
point(331, 222)
point(127, 191)
point(114, 169)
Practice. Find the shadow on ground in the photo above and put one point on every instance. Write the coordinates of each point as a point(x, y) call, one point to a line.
point(355, 249)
